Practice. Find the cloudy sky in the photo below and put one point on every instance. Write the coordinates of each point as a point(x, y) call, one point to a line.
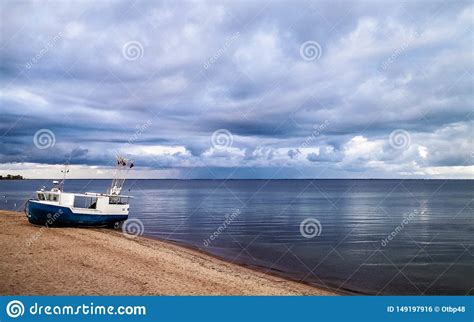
point(223, 89)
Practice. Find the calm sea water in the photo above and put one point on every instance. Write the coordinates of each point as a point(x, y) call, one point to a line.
point(267, 225)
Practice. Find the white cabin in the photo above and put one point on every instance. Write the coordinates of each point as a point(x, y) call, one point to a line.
point(87, 203)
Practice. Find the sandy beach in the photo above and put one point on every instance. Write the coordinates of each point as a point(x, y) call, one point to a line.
point(74, 261)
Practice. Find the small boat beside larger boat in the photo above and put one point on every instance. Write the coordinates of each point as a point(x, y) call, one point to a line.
point(58, 208)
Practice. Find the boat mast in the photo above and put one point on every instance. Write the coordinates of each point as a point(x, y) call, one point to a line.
point(65, 171)
point(121, 170)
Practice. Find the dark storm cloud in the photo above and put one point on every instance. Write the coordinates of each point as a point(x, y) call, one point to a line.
point(155, 80)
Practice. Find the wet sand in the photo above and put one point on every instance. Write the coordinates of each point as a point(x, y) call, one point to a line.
point(79, 261)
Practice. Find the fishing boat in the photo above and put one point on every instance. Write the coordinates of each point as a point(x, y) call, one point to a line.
point(55, 207)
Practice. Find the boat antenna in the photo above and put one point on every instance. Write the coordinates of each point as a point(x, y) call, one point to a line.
point(65, 171)
point(122, 167)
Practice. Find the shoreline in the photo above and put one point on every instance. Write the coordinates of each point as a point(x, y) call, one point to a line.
point(99, 261)
point(256, 269)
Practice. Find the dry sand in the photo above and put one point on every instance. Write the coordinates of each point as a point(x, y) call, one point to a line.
point(74, 261)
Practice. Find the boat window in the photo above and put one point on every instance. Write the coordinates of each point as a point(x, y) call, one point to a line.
point(118, 200)
point(40, 196)
point(50, 197)
point(85, 202)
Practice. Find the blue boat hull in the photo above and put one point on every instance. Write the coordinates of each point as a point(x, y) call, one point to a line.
point(58, 216)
